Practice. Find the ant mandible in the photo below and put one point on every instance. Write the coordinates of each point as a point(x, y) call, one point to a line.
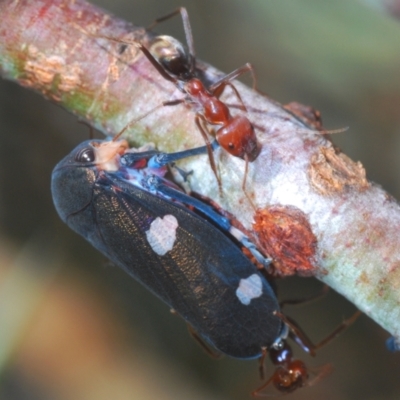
point(235, 134)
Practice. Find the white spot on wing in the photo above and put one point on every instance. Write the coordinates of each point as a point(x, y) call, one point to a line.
point(162, 234)
point(249, 289)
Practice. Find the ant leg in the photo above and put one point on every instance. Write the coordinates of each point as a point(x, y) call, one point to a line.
point(155, 63)
point(129, 124)
point(163, 104)
point(214, 88)
point(257, 392)
point(199, 119)
point(339, 329)
point(172, 102)
point(261, 362)
point(244, 182)
point(212, 353)
point(220, 89)
point(233, 87)
point(294, 302)
point(246, 170)
point(187, 28)
point(298, 335)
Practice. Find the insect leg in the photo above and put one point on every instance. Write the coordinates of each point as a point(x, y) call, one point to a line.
point(211, 352)
point(199, 119)
point(214, 88)
point(298, 335)
point(316, 296)
point(162, 159)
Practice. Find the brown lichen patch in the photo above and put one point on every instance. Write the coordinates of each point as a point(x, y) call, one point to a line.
point(123, 49)
point(331, 171)
point(126, 49)
point(306, 114)
point(45, 71)
point(393, 268)
point(285, 234)
point(363, 278)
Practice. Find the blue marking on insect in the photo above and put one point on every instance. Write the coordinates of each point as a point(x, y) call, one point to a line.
point(140, 221)
point(392, 344)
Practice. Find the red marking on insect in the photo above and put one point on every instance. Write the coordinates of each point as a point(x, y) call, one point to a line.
point(308, 115)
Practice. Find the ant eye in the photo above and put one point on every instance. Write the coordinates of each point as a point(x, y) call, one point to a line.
point(231, 145)
point(86, 155)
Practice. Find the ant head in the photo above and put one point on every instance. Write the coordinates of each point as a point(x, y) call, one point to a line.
point(239, 139)
point(173, 56)
point(290, 374)
point(288, 378)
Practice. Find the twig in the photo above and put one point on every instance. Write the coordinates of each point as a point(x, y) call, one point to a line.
point(316, 213)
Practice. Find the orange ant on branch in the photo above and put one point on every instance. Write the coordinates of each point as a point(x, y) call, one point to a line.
point(234, 133)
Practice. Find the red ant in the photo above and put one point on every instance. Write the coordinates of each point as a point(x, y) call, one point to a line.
point(290, 373)
point(235, 134)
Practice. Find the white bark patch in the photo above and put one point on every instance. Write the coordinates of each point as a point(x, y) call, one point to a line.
point(162, 234)
point(249, 289)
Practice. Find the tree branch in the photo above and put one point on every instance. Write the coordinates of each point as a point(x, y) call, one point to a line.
point(308, 205)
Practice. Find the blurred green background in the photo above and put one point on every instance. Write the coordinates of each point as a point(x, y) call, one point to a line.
point(74, 327)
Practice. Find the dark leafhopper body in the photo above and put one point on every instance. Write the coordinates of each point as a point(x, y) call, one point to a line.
point(191, 264)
